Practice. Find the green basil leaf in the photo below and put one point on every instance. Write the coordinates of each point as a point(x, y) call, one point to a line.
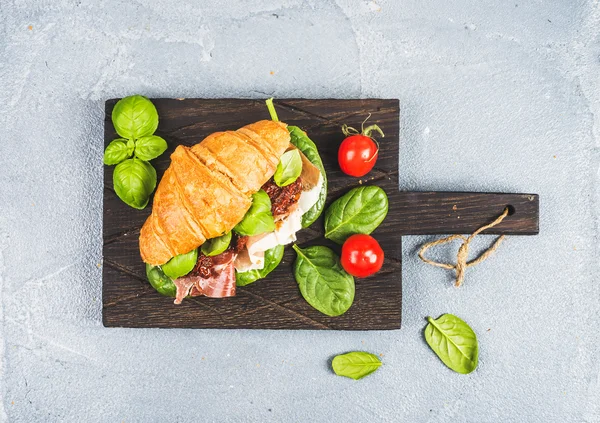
point(116, 152)
point(288, 168)
point(309, 149)
point(161, 282)
point(180, 265)
point(359, 211)
point(150, 147)
point(130, 147)
point(134, 117)
point(134, 180)
point(217, 245)
point(273, 257)
point(355, 365)
point(454, 342)
point(258, 219)
point(323, 282)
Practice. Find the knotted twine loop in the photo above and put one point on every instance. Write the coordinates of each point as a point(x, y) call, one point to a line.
point(463, 252)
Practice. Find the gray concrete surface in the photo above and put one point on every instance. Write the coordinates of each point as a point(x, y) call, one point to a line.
point(496, 96)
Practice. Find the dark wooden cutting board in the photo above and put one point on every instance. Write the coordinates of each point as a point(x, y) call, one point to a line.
point(275, 302)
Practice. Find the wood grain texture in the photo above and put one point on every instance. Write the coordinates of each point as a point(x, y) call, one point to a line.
point(275, 302)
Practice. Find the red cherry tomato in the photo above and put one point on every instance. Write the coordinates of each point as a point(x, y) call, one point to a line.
point(361, 255)
point(357, 155)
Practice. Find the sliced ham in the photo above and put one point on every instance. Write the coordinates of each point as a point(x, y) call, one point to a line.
point(220, 285)
point(213, 277)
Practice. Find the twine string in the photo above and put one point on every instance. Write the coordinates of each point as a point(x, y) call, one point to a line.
point(463, 252)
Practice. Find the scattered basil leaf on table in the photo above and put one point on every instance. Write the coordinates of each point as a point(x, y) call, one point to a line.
point(258, 219)
point(359, 211)
point(323, 282)
point(309, 149)
point(356, 364)
point(134, 180)
point(273, 257)
point(217, 245)
point(162, 283)
point(150, 147)
point(116, 152)
point(135, 117)
point(454, 342)
point(180, 265)
point(288, 168)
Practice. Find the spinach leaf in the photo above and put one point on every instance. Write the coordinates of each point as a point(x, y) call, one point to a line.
point(217, 245)
point(288, 168)
point(116, 152)
point(309, 149)
point(355, 365)
point(135, 117)
point(134, 180)
point(323, 282)
point(150, 147)
point(180, 265)
point(161, 282)
point(454, 342)
point(359, 211)
point(258, 219)
point(272, 259)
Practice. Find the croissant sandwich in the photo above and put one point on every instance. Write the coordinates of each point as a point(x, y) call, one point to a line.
point(225, 207)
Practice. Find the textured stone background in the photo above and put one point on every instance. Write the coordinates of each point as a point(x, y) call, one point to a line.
point(496, 96)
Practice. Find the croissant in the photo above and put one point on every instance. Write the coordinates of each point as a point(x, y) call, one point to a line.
point(207, 189)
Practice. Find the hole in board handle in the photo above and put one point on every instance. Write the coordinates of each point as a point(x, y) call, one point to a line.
point(511, 210)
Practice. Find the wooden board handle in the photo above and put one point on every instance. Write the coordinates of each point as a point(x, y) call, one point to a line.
point(433, 213)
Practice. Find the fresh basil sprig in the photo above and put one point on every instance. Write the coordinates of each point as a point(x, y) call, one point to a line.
point(216, 246)
point(258, 219)
point(355, 364)
point(323, 282)
point(454, 342)
point(180, 265)
point(359, 211)
point(135, 119)
point(273, 257)
point(288, 168)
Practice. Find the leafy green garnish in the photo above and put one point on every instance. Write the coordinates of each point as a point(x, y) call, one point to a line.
point(355, 365)
point(288, 168)
point(134, 180)
point(150, 147)
point(135, 117)
point(309, 149)
point(116, 152)
point(180, 265)
point(323, 282)
point(161, 282)
point(359, 211)
point(217, 245)
point(454, 342)
point(273, 257)
point(258, 219)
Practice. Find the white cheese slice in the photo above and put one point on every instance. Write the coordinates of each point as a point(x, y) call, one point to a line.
point(253, 256)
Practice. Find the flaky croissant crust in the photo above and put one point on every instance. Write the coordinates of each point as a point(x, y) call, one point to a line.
point(207, 188)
